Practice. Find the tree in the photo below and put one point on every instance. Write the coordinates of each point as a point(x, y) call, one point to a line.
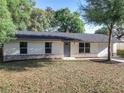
point(7, 28)
point(50, 14)
point(118, 31)
point(20, 12)
point(69, 22)
point(38, 20)
point(77, 25)
point(105, 12)
point(45, 20)
point(102, 30)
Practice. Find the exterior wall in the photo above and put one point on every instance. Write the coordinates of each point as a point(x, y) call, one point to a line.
point(39, 47)
point(120, 46)
point(74, 48)
point(103, 50)
point(11, 48)
point(36, 50)
point(115, 45)
point(58, 48)
point(96, 50)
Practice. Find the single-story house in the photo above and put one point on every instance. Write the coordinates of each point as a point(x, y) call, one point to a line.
point(36, 45)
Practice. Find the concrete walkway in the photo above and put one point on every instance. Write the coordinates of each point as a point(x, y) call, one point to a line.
point(121, 60)
point(72, 58)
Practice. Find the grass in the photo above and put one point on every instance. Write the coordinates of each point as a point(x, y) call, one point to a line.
point(39, 76)
point(120, 53)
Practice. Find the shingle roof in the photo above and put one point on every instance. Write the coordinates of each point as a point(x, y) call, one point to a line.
point(63, 36)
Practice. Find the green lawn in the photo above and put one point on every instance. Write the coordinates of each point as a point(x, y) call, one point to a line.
point(61, 77)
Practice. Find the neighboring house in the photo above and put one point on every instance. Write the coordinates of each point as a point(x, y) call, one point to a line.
point(36, 45)
point(121, 44)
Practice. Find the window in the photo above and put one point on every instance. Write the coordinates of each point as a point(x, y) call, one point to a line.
point(84, 47)
point(87, 47)
point(48, 47)
point(23, 47)
point(81, 47)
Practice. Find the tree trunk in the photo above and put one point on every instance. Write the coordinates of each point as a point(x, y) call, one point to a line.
point(110, 45)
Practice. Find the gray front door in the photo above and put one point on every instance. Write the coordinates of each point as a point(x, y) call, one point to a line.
point(67, 49)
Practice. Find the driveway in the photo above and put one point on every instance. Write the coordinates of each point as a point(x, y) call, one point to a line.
point(121, 60)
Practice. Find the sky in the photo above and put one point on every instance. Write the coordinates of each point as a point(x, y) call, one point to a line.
point(73, 5)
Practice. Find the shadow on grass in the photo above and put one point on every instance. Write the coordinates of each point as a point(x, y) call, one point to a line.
point(104, 61)
point(23, 65)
